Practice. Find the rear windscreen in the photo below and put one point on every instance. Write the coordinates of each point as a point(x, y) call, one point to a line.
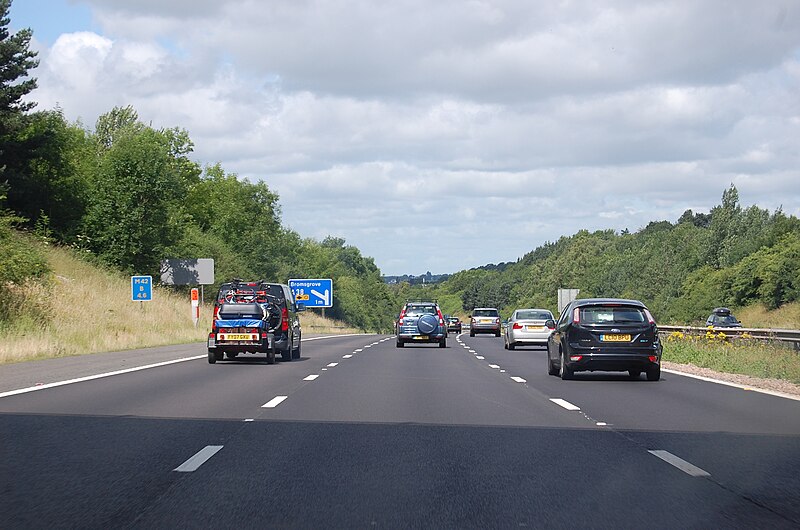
point(612, 315)
point(534, 315)
point(243, 293)
point(485, 313)
point(415, 311)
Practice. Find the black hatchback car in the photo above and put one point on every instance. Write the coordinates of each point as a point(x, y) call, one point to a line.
point(605, 334)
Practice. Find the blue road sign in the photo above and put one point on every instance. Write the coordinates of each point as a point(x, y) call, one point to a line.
point(312, 292)
point(141, 288)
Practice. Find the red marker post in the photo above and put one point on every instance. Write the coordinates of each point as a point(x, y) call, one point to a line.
point(195, 306)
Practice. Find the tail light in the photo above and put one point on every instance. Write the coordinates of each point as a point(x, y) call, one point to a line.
point(284, 319)
point(402, 315)
point(649, 317)
point(575, 358)
point(576, 315)
point(516, 325)
point(653, 358)
point(216, 312)
point(441, 317)
point(551, 326)
point(263, 336)
point(497, 320)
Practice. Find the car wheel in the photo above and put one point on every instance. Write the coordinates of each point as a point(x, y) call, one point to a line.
point(211, 357)
point(296, 352)
point(496, 333)
point(443, 343)
point(634, 373)
point(399, 343)
point(654, 374)
point(471, 334)
point(511, 345)
point(286, 355)
point(564, 371)
point(271, 357)
point(551, 369)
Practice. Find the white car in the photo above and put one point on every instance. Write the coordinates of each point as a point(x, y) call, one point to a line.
point(528, 326)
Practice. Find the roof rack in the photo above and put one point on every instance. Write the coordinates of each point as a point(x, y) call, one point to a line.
point(422, 301)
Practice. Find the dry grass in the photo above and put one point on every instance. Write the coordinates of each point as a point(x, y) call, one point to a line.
point(89, 310)
point(757, 316)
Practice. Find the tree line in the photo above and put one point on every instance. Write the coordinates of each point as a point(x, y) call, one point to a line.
point(127, 195)
point(732, 256)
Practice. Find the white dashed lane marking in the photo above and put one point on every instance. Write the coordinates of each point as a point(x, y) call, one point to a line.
point(494, 366)
point(331, 365)
point(199, 459)
point(274, 402)
point(348, 356)
point(680, 463)
point(566, 404)
point(480, 357)
point(310, 377)
point(518, 379)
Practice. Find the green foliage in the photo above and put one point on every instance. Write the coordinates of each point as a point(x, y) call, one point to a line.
point(129, 219)
point(52, 180)
point(20, 263)
point(733, 256)
point(16, 59)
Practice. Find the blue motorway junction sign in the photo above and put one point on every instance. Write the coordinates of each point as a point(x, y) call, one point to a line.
point(312, 292)
point(141, 288)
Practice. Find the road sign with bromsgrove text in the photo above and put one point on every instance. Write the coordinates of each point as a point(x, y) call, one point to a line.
point(312, 292)
point(141, 288)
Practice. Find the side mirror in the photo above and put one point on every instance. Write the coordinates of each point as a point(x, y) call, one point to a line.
point(300, 306)
point(550, 324)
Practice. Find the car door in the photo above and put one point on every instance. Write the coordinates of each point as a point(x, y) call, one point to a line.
point(554, 341)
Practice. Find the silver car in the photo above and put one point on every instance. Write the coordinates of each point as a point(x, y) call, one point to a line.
point(527, 326)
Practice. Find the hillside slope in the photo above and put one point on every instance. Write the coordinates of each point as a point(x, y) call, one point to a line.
point(81, 308)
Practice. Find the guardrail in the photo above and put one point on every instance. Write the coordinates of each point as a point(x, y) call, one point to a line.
point(791, 336)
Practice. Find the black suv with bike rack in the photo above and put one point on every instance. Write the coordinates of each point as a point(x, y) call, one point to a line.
point(255, 317)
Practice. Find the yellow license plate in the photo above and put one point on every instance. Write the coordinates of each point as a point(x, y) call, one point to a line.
point(535, 328)
point(615, 338)
point(420, 337)
point(239, 336)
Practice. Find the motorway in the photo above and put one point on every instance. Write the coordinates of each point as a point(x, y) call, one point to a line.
point(360, 434)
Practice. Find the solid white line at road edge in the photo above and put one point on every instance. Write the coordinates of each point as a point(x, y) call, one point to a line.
point(680, 463)
point(134, 369)
point(728, 383)
point(199, 459)
point(98, 376)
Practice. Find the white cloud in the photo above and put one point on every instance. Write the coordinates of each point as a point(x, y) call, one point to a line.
point(499, 125)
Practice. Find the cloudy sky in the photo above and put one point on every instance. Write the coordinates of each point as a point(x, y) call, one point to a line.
point(439, 136)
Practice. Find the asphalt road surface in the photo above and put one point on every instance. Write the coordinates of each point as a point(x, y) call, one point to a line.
point(360, 434)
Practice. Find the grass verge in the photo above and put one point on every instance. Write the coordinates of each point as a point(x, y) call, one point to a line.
point(735, 356)
point(84, 309)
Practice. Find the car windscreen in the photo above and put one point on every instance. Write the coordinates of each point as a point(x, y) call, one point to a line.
point(612, 315)
point(533, 315)
point(485, 313)
point(719, 320)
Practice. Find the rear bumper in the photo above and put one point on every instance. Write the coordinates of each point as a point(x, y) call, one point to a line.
point(263, 345)
point(485, 328)
point(617, 360)
point(416, 337)
point(529, 337)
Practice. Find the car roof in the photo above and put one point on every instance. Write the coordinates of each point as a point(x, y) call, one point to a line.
point(599, 301)
point(492, 308)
